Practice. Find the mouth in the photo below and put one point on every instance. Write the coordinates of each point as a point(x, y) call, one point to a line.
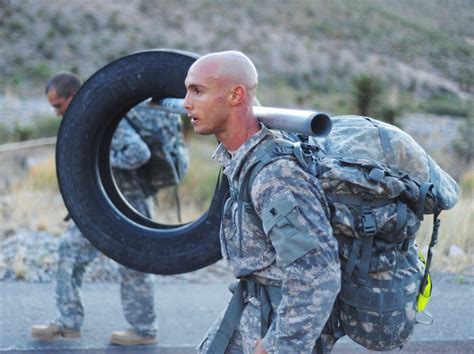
point(193, 119)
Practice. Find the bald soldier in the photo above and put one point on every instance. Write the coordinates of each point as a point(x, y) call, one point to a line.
point(283, 252)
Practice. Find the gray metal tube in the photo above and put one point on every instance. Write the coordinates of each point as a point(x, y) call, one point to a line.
point(294, 120)
point(289, 120)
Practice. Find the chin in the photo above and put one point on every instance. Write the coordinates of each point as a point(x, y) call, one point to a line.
point(202, 131)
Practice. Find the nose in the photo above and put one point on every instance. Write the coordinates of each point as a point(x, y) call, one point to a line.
point(187, 102)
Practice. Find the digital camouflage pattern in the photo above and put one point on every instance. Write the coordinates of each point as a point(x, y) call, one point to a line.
point(286, 242)
point(370, 184)
point(357, 137)
point(128, 152)
point(136, 289)
point(379, 182)
point(162, 132)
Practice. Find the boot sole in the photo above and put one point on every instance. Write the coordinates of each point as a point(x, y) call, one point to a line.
point(124, 342)
point(43, 336)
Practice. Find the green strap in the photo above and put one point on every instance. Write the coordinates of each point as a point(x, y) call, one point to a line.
point(266, 294)
point(230, 321)
point(356, 246)
point(386, 146)
point(244, 192)
point(353, 199)
point(268, 154)
point(425, 188)
point(402, 216)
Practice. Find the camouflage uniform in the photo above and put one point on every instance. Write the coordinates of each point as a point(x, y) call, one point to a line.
point(128, 152)
point(289, 246)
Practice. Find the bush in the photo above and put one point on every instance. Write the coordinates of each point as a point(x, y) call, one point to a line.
point(389, 114)
point(21, 132)
point(449, 106)
point(48, 127)
point(463, 144)
point(4, 134)
point(366, 89)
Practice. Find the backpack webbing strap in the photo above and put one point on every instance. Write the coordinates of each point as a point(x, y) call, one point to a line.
point(386, 146)
point(358, 200)
point(402, 215)
point(229, 322)
point(268, 154)
point(266, 294)
point(425, 188)
point(356, 245)
point(178, 202)
point(434, 240)
point(244, 192)
point(430, 187)
point(370, 230)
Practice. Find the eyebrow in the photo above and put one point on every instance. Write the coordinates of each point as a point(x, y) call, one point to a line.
point(191, 86)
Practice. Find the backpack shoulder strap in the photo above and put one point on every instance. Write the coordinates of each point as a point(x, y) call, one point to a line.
point(265, 154)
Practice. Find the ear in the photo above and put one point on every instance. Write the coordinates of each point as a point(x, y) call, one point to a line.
point(237, 95)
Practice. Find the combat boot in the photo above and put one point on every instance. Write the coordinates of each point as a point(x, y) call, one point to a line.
point(52, 331)
point(130, 337)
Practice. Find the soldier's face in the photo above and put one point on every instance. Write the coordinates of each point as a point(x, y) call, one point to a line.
point(59, 104)
point(206, 100)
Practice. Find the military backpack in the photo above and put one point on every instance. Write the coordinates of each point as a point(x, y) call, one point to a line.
point(379, 183)
point(162, 132)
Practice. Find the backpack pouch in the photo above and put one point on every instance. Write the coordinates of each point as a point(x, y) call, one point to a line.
point(379, 312)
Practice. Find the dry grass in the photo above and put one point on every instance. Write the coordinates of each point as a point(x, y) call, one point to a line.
point(33, 200)
point(196, 190)
point(35, 203)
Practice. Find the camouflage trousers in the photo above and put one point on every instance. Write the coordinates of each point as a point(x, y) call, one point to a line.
point(136, 289)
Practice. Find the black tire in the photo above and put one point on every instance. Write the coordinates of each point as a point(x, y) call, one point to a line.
point(85, 178)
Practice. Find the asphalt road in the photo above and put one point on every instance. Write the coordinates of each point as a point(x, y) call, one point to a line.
point(187, 309)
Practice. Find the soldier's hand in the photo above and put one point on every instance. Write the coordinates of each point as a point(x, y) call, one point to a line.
point(259, 348)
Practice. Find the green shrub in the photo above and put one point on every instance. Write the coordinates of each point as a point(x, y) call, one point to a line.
point(48, 127)
point(4, 134)
point(446, 105)
point(40, 71)
point(21, 132)
point(366, 90)
point(388, 113)
point(463, 144)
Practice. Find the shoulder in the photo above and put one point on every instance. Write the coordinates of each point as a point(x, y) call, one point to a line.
point(281, 173)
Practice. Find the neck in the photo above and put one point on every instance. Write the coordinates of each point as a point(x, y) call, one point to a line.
point(240, 129)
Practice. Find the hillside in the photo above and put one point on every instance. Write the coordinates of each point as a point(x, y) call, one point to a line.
point(307, 52)
point(424, 46)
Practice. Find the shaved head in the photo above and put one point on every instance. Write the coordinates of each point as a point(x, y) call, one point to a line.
point(220, 94)
point(231, 68)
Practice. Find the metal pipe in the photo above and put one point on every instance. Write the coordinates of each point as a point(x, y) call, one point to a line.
point(289, 120)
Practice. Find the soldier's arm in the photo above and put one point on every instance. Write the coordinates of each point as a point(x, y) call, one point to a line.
point(295, 218)
point(128, 151)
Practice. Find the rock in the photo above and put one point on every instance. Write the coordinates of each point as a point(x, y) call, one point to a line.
point(456, 251)
point(32, 256)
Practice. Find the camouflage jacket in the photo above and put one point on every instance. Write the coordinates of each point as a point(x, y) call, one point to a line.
point(289, 245)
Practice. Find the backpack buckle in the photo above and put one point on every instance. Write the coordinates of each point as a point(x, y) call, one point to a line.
point(368, 221)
